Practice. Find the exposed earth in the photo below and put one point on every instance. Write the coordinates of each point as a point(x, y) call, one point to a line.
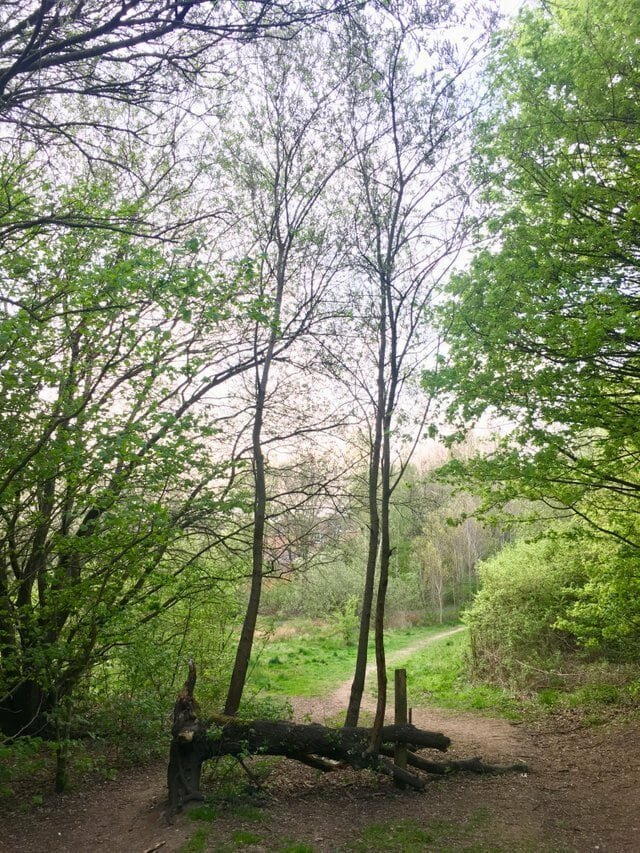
point(581, 794)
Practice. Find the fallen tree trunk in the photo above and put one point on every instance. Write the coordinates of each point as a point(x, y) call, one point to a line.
point(195, 741)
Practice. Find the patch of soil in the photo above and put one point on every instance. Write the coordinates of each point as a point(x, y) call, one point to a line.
point(124, 815)
point(580, 794)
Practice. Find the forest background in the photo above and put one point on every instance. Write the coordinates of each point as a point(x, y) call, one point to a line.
point(256, 259)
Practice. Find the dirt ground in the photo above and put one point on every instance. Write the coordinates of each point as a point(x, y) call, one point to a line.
point(581, 793)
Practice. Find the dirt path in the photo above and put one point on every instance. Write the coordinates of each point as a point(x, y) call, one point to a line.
point(321, 709)
point(581, 794)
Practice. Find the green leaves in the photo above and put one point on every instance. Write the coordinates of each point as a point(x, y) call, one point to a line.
point(544, 328)
point(109, 486)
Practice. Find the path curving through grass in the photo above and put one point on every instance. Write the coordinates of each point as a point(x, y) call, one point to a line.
point(326, 708)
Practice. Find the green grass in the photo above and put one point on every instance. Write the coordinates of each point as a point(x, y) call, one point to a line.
point(197, 843)
point(402, 837)
point(244, 811)
point(437, 675)
point(207, 813)
point(443, 836)
point(596, 699)
point(316, 660)
point(408, 836)
point(243, 838)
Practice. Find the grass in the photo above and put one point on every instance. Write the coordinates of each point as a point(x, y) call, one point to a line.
point(443, 836)
point(603, 692)
point(197, 843)
point(437, 675)
point(207, 813)
point(316, 660)
point(242, 838)
point(402, 837)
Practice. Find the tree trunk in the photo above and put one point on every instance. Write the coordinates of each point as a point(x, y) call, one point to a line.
point(359, 676)
point(245, 644)
point(383, 582)
point(360, 671)
point(318, 746)
point(23, 710)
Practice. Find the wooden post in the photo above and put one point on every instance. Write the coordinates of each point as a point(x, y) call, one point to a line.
point(400, 754)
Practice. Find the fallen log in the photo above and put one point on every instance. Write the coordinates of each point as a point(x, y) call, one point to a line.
point(469, 765)
point(195, 741)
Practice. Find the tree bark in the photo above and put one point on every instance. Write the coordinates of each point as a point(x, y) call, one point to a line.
point(375, 451)
point(195, 741)
point(245, 644)
point(318, 746)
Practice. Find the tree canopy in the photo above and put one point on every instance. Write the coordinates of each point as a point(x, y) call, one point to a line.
point(543, 329)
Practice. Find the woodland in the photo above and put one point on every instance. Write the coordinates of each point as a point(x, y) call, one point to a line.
point(323, 311)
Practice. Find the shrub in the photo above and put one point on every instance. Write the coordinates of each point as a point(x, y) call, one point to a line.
point(515, 620)
point(605, 617)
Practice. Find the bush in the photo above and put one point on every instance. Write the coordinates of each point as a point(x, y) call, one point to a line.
point(605, 618)
point(526, 590)
point(539, 599)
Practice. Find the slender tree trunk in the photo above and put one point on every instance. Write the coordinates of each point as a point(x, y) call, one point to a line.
point(383, 581)
point(357, 686)
point(385, 506)
point(245, 644)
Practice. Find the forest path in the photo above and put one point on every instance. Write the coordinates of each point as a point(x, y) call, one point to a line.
point(580, 795)
point(327, 708)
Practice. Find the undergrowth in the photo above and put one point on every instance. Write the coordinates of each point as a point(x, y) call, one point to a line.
point(441, 675)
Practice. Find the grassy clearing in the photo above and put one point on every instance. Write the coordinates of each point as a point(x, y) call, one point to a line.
point(315, 659)
point(437, 675)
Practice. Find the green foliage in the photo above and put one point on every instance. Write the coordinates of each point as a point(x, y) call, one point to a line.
point(605, 617)
point(323, 588)
point(513, 622)
point(347, 620)
point(439, 674)
point(20, 759)
point(544, 328)
point(110, 497)
point(436, 543)
point(541, 600)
